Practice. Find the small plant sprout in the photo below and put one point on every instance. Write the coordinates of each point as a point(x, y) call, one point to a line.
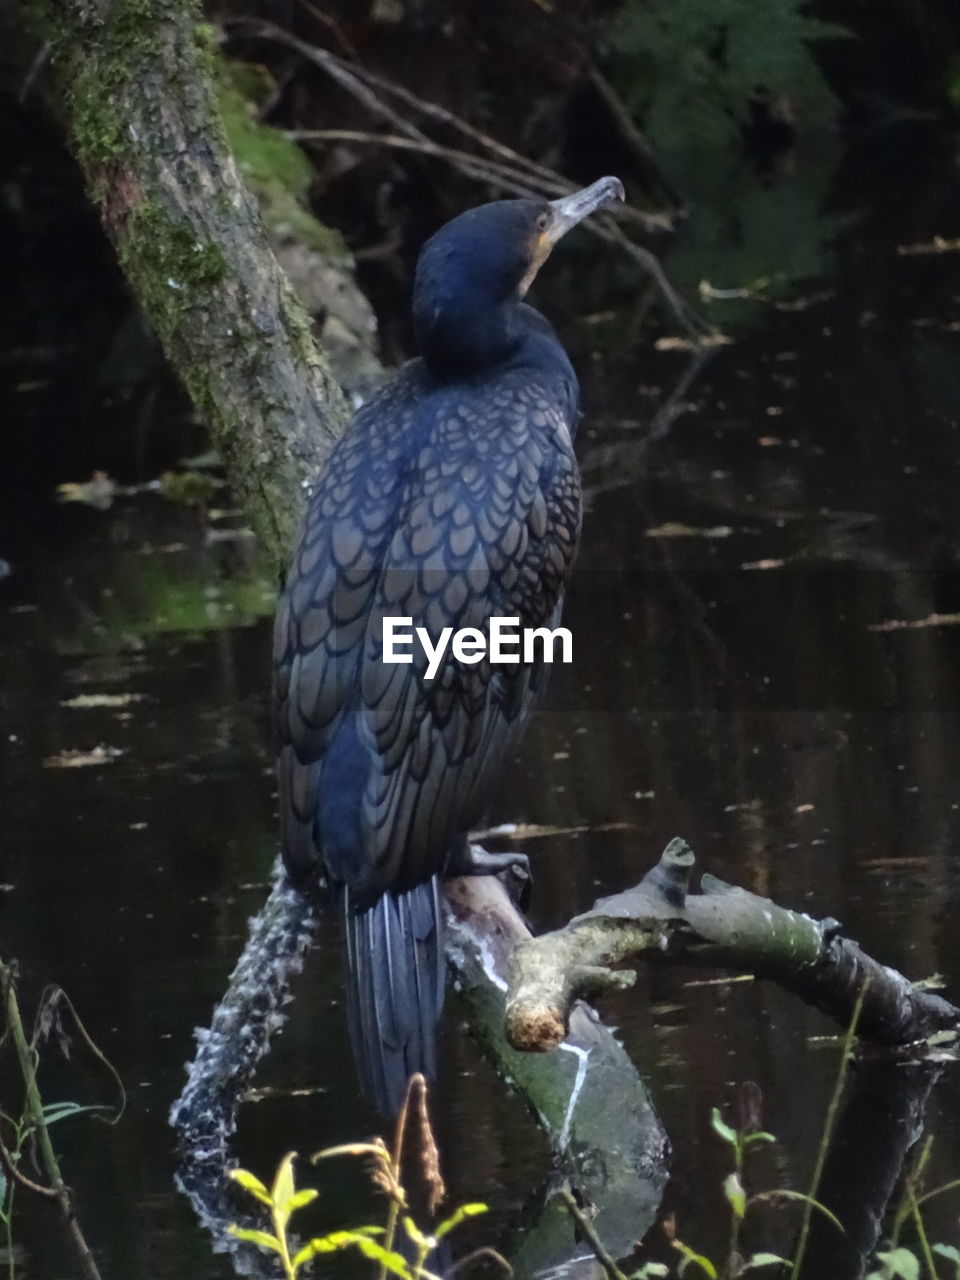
point(738, 1140)
point(283, 1200)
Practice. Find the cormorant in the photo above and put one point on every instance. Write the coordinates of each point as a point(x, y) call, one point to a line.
point(452, 497)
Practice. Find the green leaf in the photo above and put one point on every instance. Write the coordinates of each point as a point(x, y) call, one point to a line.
point(765, 1260)
point(349, 1149)
point(250, 1183)
point(651, 1271)
point(283, 1189)
point(262, 1238)
point(465, 1211)
point(302, 1198)
point(722, 1129)
point(303, 1256)
point(736, 1196)
point(416, 1235)
point(395, 1263)
point(334, 1241)
point(759, 1136)
point(953, 1255)
point(694, 1259)
point(899, 1262)
point(322, 1244)
point(55, 1111)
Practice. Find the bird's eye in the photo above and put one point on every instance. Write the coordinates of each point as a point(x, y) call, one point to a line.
point(542, 221)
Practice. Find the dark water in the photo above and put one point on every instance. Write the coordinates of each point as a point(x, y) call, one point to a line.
point(733, 683)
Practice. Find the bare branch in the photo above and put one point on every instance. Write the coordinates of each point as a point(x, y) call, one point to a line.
point(511, 172)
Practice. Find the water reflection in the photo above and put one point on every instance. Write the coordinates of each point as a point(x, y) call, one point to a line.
point(730, 684)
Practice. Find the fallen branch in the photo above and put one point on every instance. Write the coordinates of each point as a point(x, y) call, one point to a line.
point(724, 927)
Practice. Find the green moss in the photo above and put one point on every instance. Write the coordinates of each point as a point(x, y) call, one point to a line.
point(96, 84)
point(160, 594)
point(97, 129)
point(171, 265)
point(265, 154)
point(275, 168)
point(206, 39)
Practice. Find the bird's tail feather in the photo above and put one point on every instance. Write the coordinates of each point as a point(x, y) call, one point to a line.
point(395, 980)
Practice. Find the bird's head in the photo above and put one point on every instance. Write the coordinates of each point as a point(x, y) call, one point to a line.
point(487, 258)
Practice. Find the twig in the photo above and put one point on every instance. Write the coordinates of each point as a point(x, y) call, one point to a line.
point(691, 319)
point(673, 406)
point(828, 1127)
point(508, 176)
point(513, 172)
point(433, 111)
point(331, 24)
point(51, 998)
point(484, 1251)
point(35, 70)
point(335, 67)
point(596, 1244)
point(33, 1105)
point(635, 138)
point(10, 1165)
point(501, 175)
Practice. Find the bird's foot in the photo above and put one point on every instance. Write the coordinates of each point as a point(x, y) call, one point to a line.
point(468, 859)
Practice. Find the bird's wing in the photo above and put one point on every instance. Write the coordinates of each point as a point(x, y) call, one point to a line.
point(322, 614)
point(489, 527)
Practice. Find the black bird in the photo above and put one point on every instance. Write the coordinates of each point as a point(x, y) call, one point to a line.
point(453, 497)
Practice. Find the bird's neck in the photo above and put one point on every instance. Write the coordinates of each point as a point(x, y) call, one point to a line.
point(514, 338)
point(459, 340)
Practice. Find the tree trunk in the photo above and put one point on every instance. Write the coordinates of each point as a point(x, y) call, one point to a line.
point(136, 79)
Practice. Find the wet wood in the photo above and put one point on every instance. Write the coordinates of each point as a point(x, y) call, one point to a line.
point(616, 1157)
point(660, 921)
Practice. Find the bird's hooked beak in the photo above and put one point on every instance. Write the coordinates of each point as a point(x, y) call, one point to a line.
point(567, 212)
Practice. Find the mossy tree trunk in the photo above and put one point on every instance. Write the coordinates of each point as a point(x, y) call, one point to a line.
point(136, 79)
